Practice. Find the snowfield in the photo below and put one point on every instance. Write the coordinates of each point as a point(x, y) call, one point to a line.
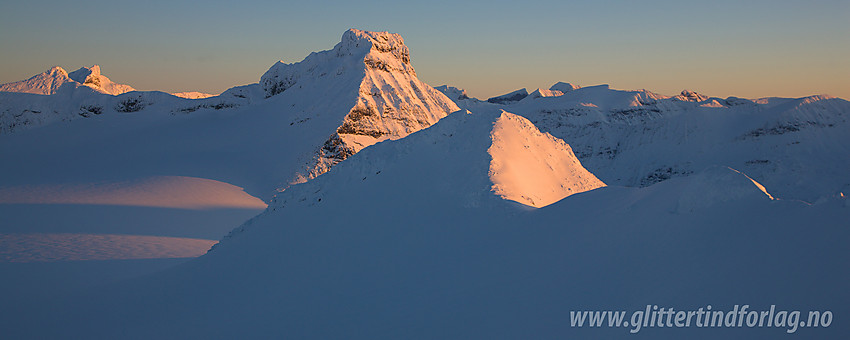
point(351, 200)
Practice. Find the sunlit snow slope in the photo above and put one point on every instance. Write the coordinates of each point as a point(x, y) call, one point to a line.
point(534, 168)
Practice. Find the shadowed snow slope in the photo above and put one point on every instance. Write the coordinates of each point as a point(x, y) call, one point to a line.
point(719, 184)
point(534, 168)
point(406, 240)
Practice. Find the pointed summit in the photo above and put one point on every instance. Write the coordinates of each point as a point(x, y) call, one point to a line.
point(366, 86)
point(46, 83)
point(534, 168)
point(564, 87)
point(691, 96)
point(389, 44)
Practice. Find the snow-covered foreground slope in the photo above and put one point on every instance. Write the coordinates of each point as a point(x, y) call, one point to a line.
point(406, 240)
point(797, 147)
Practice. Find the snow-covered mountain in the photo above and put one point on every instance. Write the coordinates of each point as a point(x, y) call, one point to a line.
point(300, 120)
point(46, 83)
point(375, 90)
point(509, 97)
point(796, 147)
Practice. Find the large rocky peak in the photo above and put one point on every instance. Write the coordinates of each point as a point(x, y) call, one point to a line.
point(391, 102)
point(367, 86)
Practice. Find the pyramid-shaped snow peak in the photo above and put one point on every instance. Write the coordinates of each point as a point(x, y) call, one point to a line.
point(467, 159)
point(366, 85)
point(532, 167)
point(46, 83)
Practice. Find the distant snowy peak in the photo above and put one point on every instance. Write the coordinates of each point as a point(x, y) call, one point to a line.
point(554, 91)
point(49, 82)
point(91, 77)
point(192, 95)
point(564, 87)
point(509, 97)
point(45, 83)
point(452, 92)
point(691, 96)
point(540, 93)
point(534, 168)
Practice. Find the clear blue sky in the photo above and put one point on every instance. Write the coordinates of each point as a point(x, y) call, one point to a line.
point(720, 48)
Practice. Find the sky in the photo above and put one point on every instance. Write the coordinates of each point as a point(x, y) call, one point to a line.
point(751, 49)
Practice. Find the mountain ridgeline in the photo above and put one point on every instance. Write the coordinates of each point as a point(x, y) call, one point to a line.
point(798, 148)
point(364, 90)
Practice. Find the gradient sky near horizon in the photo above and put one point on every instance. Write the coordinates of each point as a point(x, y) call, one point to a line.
point(722, 48)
